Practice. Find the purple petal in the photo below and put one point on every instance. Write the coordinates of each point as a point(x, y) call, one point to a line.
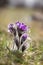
point(21, 26)
point(18, 24)
point(24, 27)
point(11, 27)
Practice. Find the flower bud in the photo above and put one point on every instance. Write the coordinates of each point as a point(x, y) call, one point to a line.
point(24, 37)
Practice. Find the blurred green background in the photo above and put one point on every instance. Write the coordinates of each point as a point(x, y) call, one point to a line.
point(35, 52)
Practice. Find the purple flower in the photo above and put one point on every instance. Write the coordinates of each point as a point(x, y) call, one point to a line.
point(24, 36)
point(11, 27)
point(21, 26)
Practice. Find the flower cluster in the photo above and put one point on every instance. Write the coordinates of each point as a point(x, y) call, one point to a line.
point(20, 35)
point(21, 26)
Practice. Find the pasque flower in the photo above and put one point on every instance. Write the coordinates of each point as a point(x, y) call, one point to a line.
point(21, 26)
point(20, 36)
point(11, 28)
